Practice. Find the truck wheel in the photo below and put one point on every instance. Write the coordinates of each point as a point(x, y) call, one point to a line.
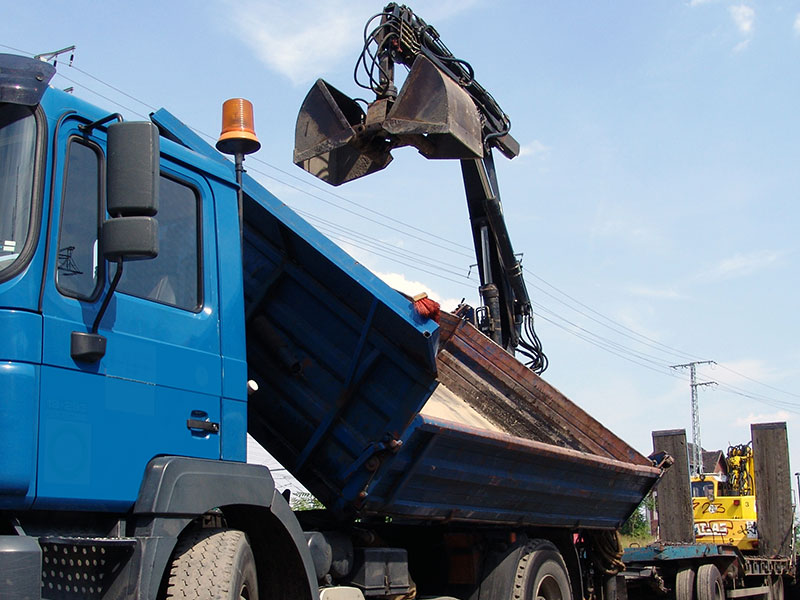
point(541, 574)
point(775, 583)
point(213, 563)
point(684, 584)
point(709, 583)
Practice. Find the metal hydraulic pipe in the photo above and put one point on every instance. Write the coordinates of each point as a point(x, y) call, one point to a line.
point(494, 214)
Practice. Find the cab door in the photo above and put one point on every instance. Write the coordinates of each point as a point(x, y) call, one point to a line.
point(157, 389)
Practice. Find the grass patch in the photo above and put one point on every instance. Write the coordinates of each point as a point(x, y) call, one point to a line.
point(633, 541)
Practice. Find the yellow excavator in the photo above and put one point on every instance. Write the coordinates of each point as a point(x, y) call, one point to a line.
point(724, 505)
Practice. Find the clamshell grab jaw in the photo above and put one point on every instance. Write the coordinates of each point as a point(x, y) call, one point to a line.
point(336, 141)
point(327, 143)
point(431, 104)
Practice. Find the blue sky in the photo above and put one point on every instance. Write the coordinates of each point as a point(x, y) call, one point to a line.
point(657, 188)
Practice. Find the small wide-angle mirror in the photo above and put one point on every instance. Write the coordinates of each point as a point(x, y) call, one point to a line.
point(130, 238)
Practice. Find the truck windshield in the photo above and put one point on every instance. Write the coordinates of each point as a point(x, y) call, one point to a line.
point(17, 151)
point(701, 489)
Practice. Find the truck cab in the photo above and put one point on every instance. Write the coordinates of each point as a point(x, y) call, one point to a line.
point(720, 515)
point(87, 429)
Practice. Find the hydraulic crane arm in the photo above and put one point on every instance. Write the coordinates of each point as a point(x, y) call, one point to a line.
point(400, 38)
point(446, 114)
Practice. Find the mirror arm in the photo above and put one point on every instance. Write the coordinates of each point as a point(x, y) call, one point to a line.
point(107, 299)
point(86, 129)
point(91, 347)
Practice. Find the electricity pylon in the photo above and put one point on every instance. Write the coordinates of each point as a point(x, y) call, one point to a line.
point(697, 452)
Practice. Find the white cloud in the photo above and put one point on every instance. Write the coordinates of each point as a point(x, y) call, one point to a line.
point(410, 287)
point(796, 25)
point(699, 2)
point(433, 13)
point(299, 39)
point(623, 229)
point(742, 371)
point(741, 45)
point(742, 265)
point(636, 317)
point(743, 16)
point(777, 416)
point(535, 149)
point(302, 39)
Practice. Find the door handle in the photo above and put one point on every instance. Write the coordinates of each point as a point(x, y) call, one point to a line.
point(197, 424)
point(199, 421)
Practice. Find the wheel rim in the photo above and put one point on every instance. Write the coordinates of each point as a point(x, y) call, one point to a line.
point(549, 589)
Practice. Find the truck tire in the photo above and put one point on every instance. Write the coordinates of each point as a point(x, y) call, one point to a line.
point(709, 583)
point(775, 583)
point(684, 584)
point(213, 564)
point(541, 574)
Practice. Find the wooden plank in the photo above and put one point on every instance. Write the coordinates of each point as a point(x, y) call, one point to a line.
point(530, 396)
point(514, 402)
point(496, 360)
point(496, 407)
point(773, 488)
point(673, 498)
point(518, 384)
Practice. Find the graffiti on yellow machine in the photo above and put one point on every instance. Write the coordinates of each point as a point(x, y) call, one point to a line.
point(723, 528)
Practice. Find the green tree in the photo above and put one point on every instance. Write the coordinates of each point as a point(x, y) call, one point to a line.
point(304, 501)
point(637, 525)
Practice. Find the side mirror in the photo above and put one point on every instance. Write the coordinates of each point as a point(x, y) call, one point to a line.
point(710, 493)
point(132, 191)
point(132, 231)
point(132, 171)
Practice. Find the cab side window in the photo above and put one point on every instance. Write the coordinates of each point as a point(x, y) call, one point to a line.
point(174, 276)
point(78, 270)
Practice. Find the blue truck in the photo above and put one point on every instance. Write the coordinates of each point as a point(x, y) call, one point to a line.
point(158, 304)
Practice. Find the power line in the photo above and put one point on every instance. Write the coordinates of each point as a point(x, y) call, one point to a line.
point(116, 89)
point(354, 203)
point(615, 325)
point(609, 350)
point(621, 347)
point(412, 265)
point(357, 234)
point(766, 385)
point(355, 213)
point(91, 91)
point(16, 50)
